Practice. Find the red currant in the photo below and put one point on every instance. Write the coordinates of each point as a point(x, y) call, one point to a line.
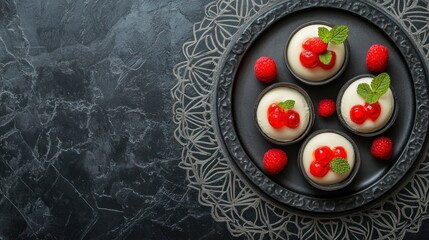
point(373, 110)
point(323, 154)
point(330, 64)
point(358, 114)
point(308, 59)
point(272, 107)
point(340, 152)
point(319, 169)
point(276, 116)
point(306, 44)
point(292, 119)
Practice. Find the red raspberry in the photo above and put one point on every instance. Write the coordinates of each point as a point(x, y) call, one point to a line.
point(326, 107)
point(377, 58)
point(308, 59)
point(381, 148)
point(330, 64)
point(318, 46)
point(275, 160)
point(265, 69)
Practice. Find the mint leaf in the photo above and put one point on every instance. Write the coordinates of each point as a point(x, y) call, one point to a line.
point(364, 90)
point(326, 57)
point(372, 98)
point(288, 104)
point(339, 34)
point(380, 84)
point(339, 165)
point(324, 34)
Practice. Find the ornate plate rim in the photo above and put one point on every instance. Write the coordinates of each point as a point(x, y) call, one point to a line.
point(224, 76)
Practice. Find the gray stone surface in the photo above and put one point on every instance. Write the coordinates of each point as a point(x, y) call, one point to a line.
point(86, 143)
point(86, 132)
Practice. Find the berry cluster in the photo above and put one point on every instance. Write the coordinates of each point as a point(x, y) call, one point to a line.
point(360, 113)
point(320, 166)
point(279, 117)
point(313, 48)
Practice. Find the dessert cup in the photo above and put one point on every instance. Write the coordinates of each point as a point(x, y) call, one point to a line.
point(332, 139)
point(317, 75)
point(303, 105)
point(348, 97)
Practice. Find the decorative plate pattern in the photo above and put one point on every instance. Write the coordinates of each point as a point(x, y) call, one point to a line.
point(223, 110)
point(222, 188)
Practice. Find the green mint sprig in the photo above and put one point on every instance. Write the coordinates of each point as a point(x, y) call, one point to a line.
point(379, 86)
point(339, 165)
point(337, 35)
point(288, 104)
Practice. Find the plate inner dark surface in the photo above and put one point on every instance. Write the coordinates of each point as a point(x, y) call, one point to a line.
point(271, 43)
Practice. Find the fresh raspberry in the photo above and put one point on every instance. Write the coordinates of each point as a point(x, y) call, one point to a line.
point(330, 64)
point(318, 46)
point(275, 160)
point(377, 58)
point(308, 59)
point(381, 148)
point(326, 107)
point(265, 69)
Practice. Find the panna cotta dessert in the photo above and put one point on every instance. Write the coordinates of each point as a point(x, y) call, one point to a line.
point(366, 104)
point(329, 159)
point(317, 53)
point(284, 113)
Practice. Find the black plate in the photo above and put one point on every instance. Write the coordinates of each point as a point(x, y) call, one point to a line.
point(237, 90)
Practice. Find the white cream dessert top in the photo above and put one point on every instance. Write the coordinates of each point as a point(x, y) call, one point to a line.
point(294, 49)
point(351, 98)
point(330, 140)
point(276, 95)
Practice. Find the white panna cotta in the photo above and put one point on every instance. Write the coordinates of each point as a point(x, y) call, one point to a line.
point(330, 140)
point(277, 95)
point(351, 98)
point(294, 49)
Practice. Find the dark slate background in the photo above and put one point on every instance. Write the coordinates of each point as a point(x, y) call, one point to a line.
point(86, 132)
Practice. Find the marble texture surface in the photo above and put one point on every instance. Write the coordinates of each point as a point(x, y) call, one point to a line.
point(86, 143)
point(86, 133)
